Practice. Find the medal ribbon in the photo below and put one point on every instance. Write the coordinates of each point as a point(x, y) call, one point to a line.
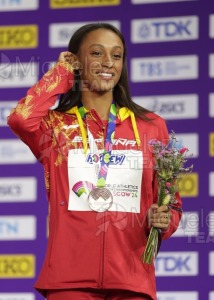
point(104, 162)
point(81, 114)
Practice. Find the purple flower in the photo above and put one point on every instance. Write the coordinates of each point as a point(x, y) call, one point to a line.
point(153, 142)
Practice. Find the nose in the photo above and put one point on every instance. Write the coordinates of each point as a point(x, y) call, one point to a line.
point(108, 64)
point(107, 61)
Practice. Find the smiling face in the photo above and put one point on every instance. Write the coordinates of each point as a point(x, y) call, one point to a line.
point(101, 59)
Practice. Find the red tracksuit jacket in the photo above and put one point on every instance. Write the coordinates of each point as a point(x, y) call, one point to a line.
point(88, 249)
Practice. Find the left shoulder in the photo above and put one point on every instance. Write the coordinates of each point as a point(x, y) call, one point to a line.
point(155, 127)
point(154, 120)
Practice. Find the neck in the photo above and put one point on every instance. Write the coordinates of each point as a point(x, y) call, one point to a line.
point(99, 102)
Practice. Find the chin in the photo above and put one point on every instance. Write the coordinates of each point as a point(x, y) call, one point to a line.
point(102, 86)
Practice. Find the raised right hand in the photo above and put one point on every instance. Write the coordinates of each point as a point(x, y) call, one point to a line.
point(71, 58)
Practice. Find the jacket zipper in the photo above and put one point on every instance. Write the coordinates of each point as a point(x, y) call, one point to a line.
point(102, 246)
point(102, 259)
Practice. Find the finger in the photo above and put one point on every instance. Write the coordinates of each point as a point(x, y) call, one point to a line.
point(65, 56)
point(161, 223)
point(163, 208)
point(160, 218)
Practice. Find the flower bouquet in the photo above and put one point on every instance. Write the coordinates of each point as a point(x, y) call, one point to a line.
point(170, 160)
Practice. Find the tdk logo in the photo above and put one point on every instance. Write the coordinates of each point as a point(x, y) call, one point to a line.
point(164, 29)
point(188, 295)
point(177, 264)
point(115, 159)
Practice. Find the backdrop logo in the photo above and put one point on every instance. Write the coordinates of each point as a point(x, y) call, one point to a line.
point(17, 74)
point(211, 105)
point(188, 185)
point(211, 184)
point(167, 68)
point(211, 223)
point(164, 29)
point(81, 3)
point(60, 33)
point(177, 264)
point(177, 295)
point(17, 266)
point(211, 26)
point(18, 189)
point(17, 228)
point(211, 295)
point(211, 65)
point(211, 144)
point(211, 263)
point(17, 296)
point(5, 108)
point(171, 106)
point(10, 5)
point(188, 225)
point(156, 1)
point(189, 140)
point(15, 152)
point(15, 37)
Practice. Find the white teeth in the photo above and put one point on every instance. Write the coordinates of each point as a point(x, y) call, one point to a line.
point(105, 74)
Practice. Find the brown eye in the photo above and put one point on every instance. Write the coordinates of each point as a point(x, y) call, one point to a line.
point(117, 56)
point(96, 53)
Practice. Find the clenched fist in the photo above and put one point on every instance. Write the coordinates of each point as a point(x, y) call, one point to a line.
point(71, 58)
point(159, 216)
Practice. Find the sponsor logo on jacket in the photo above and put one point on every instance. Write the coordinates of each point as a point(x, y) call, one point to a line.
point(114, 159)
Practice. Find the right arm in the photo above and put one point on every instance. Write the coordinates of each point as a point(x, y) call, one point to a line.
point(28, 119)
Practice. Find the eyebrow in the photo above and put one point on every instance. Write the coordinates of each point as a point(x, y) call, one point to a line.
point(103, 46)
